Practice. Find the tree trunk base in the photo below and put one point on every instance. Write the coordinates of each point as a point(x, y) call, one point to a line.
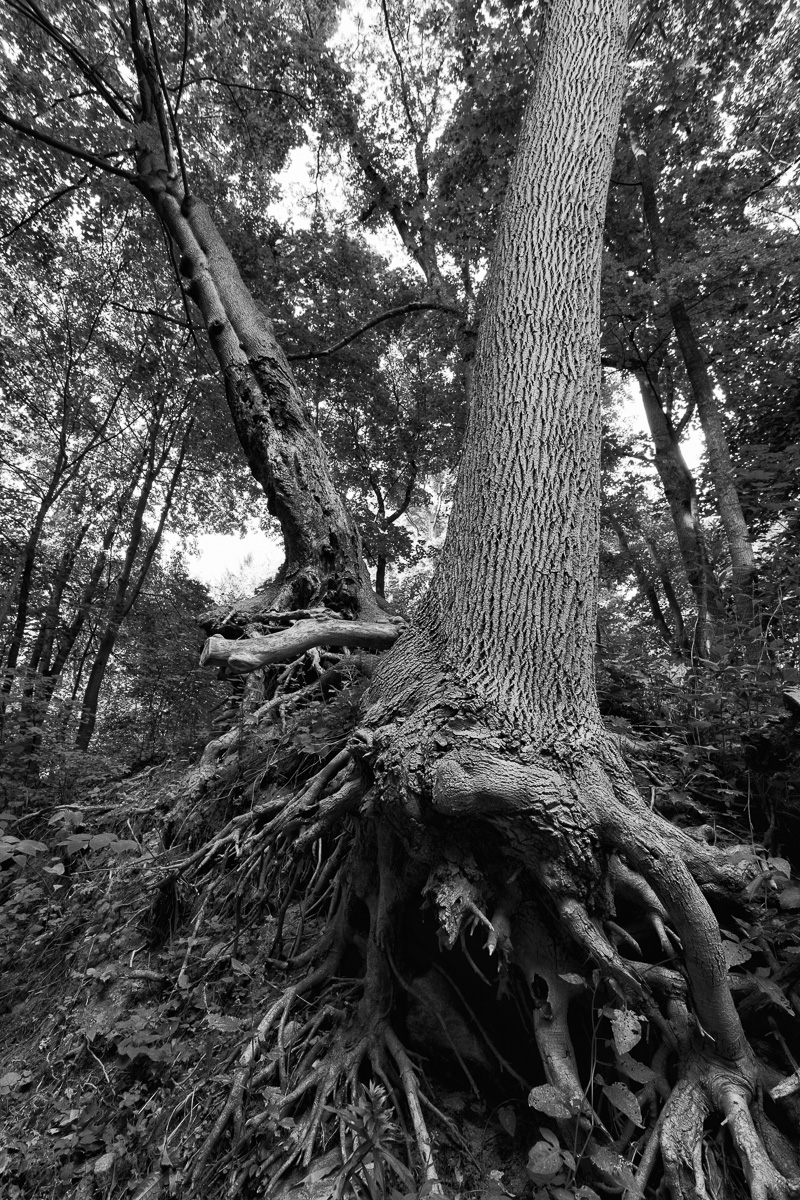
point(552, 883)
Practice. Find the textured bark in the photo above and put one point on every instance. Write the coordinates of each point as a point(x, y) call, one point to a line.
point(489, 749)
point(511, 610)
point(323, 549)
point(737, 535)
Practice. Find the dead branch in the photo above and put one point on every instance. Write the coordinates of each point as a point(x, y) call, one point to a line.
point(250, 654)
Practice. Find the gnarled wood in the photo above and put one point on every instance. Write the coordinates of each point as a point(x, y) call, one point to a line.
point(250, 654)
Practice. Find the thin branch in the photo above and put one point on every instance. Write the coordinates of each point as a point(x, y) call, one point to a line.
point(772, 179)
point(184, 55)
point(116, 102)
point(149, 312)
point(40, 208)
point(404, 503)
point(403, 89)
point(167, 105)
point(248, 87)
point(686, 418)
point(402, 311)
point(38, 135)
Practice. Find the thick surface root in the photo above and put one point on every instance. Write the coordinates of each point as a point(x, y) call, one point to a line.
point(443, 922)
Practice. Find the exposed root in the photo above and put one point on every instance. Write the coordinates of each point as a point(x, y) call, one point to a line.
point(233, 1108)
point(411, 1090)
point(554, 888)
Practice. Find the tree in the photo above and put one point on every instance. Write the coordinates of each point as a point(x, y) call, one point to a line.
point(480, 774)
point(495, 788)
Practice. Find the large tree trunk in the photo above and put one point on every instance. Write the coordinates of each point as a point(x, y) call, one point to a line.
point(491, 753)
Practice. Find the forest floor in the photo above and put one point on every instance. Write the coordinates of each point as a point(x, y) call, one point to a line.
point(150, 937)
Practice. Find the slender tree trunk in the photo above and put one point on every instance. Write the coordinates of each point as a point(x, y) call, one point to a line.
point(10, 597)
point(87, 597)
point(126, 594)
point(36, 690)
point(673, 604)
point(646, 587)
point(743, 561)
point(24, 590)
point(681, 493)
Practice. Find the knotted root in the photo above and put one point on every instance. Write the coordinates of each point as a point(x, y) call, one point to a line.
point(582, 841)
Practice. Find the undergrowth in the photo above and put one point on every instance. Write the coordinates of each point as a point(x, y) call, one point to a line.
point(183, 1012)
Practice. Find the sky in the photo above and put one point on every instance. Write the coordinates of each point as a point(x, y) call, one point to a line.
point(234, 566)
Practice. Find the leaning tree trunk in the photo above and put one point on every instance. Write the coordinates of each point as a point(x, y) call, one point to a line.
point(324, 564)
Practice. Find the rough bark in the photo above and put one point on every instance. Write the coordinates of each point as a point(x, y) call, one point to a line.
point(743, 563)
point(323, 550)
point(484, 718)
point(512, 606)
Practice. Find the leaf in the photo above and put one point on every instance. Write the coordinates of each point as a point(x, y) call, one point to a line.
point(781, 866)
point(99, 840)
point(75, 842)
point(586, 1193)
point(544, 1162)
point(735, 953)
point(623, 1099)
point(626, 1029)
point(122, 844)
point(613, 1164)
point(769, 988)
point(789, 899)
point(149, 1188)
point(635, 1070)
point(508, 1119)
point(28, 847)
point(570, 977)
point(222, 1023)
point(546, 1099)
